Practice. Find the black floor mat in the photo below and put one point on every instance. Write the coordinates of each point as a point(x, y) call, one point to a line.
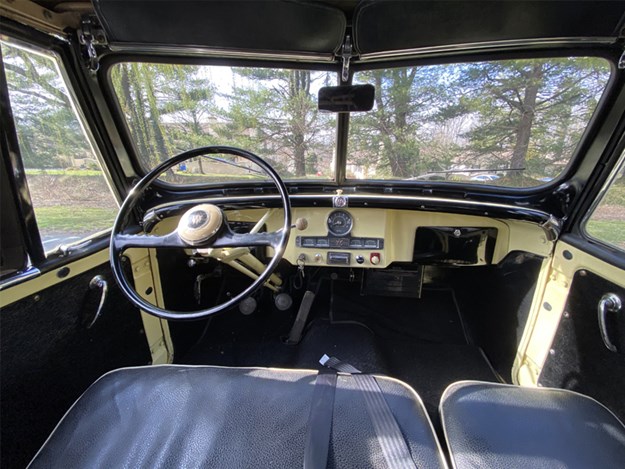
point(430, 368)
point(351, 343)
point(419, 341)
point(433, 318)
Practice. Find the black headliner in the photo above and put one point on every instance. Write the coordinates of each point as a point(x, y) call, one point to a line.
point(300, 26)
point(395, 25)
point(284, 26)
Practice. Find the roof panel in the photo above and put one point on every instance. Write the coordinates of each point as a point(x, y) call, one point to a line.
point(393, 25)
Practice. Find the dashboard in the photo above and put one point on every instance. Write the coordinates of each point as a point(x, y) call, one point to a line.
point(375, 237)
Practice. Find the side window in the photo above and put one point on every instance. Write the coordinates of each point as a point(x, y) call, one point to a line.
point(69, 192)
point(607, 222)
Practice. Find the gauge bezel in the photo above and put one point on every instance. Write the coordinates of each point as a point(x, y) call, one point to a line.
point(351, 225)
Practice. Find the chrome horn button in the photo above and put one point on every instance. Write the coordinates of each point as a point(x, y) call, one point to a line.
point(199, 224)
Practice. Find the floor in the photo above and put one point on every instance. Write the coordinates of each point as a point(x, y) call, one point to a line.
point(420, 341)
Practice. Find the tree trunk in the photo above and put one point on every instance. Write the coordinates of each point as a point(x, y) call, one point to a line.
point(299, 155)
point(524, 128)
point(559, 154)
point(155, 119)
point(299, 89)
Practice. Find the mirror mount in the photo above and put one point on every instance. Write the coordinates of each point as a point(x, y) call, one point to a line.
point(346, 55)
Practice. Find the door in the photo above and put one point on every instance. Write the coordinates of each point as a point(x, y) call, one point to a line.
point(576, 339)
point(63, 322)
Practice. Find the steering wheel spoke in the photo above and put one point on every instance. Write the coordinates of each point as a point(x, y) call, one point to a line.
point(125, 241)
point(230, 239)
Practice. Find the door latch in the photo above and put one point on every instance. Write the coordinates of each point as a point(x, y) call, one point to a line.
point(98, 282)
point(609, 303)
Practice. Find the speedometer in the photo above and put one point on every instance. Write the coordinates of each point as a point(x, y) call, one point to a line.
point(340, 223)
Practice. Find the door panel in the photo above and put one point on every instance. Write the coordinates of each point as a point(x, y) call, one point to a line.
point(562, 346)
point(49, 357)
point(578, 359)
point(61, 184)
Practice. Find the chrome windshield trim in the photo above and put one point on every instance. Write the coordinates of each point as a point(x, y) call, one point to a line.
point(196, 51)
point(482, 46)
point(20, 277)
point(39, 17)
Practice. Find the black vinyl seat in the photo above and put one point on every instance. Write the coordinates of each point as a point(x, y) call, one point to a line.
point(204, 416)
point(489, 425)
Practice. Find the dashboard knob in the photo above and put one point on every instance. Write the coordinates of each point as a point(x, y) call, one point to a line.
point(374, 258)
point(360, 259)
point(301, 224)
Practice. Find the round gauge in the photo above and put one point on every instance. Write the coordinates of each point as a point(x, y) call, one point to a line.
point(340, 223)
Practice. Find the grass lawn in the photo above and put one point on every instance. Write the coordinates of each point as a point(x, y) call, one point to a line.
point(79, 220)
point(63, 172)
point(611, 231)
point(616, 195)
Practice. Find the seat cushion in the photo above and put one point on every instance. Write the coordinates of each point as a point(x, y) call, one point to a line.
point(182, 416)
point(503, 426)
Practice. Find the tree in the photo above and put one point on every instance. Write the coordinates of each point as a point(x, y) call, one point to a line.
point(527, 113)
point(136, 92)
point(49, 133)
point(393, 138)
point(499, 115)
point(274, 112)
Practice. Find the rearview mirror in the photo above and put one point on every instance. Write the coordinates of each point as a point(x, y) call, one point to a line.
point(352, 98)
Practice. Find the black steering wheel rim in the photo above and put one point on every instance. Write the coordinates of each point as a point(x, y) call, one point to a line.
point(135, 195)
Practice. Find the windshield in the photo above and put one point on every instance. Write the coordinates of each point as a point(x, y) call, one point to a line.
point(513, 123)
point(510, 123)
point(270, 112)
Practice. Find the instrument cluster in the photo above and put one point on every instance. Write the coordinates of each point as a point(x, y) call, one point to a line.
point(339, 224)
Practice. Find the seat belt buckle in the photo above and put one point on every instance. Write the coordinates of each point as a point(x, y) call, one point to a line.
point(323, 360)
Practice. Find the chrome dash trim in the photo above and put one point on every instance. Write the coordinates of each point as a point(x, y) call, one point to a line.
point(422, 202)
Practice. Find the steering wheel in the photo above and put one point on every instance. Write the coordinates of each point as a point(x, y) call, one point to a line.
point(201, 226)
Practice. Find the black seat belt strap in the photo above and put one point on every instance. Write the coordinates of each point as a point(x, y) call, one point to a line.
point(389, 435)
point(320, 421)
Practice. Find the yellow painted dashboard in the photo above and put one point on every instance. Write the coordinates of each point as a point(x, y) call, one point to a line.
point(396, 229)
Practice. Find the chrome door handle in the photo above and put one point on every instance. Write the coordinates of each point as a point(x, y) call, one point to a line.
point(609, 303)
point(98, 282)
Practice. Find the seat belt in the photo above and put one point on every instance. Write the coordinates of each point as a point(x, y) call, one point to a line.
point(320, 421)
point(389, 435)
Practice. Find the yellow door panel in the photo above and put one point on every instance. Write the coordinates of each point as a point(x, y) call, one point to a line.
point(548, 309)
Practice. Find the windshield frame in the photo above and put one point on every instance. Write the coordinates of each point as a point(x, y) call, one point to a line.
point(342, 127)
